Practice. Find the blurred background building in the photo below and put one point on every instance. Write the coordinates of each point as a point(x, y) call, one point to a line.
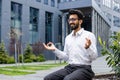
point(37, 21)
point(111, 9)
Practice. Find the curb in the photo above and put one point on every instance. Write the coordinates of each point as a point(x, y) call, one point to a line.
point(99, 75)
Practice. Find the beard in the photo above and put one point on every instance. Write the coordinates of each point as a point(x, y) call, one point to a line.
point(74, 26)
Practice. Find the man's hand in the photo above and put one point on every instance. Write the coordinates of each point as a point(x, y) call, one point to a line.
point(88, 43)
point(49, 46)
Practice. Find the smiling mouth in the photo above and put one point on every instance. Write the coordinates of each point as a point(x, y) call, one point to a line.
point(72, 24)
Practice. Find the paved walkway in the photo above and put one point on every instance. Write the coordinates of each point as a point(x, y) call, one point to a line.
point(99, 67)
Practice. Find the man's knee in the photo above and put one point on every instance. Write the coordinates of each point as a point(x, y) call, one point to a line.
point(48, 77)
point(74, 78)
point(68, 78)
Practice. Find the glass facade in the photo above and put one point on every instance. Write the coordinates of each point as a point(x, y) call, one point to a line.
point(63, 0)
point(53, 3)
point(100, 27)
point(109, 16)
point(15, 28)
point(107, 3)
point(67, 0)
point(16, 12)
point(60, 29)
point(116, 6)
point(38, 0)
point(48, 26)
point(33, 27)
point(16, 17)
point(116, 21)
point(58, 1)
point(0, 19)
point(46, 2)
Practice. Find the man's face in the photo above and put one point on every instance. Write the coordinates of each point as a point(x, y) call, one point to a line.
point(73, 21)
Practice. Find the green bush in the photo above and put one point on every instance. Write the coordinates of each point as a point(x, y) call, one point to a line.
point(3, 54)
point(28, 55)
point(10, 60)
point(33, 58)
point(28, 61)
point(20, 58)
point(3, 59)
point(112, 52)
point(40, 58)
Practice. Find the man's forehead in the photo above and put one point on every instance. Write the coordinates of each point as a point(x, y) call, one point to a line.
point(73, 15)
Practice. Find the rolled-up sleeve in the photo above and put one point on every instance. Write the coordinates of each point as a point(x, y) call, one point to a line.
point(92, 50)
point(62, 54)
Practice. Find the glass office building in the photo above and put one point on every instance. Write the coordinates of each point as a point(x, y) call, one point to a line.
point(34, 20)
point(0, 18)
point(111, 8)
point(46, 20)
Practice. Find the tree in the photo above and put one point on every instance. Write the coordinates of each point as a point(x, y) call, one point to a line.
point(112, 52)
point(15, 45)
point(28, 54)
point(4, 58)
point(3, 53)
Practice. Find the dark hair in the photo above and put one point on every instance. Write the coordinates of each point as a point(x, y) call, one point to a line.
point(77, 12)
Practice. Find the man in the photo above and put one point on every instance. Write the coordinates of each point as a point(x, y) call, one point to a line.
point(79, 51)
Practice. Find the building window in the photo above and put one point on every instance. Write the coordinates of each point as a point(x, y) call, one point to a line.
point(16, 12)
point(116, 21)
point(109, 16)
point(60, 29)
point(107, 3)
point(48, 26)
point(70, 0)
point(38, 0)
point(33, 27)
point(116, 6)
point(53, 3)
point(46, 2)
point(98, 0)
point(0, 19)
point(58, 1)
point(16, 19)
point(15, 28)
point(64, 1)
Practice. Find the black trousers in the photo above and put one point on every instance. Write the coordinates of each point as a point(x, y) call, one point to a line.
point(72, 72)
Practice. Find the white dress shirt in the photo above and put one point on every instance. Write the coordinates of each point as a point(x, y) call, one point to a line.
point(74, 49)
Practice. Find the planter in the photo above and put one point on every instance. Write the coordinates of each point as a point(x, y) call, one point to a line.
point(109, 76)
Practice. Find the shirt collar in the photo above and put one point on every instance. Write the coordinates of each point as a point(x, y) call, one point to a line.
point(78, 33)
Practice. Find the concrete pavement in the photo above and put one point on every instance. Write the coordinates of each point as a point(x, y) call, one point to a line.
point(99, 66)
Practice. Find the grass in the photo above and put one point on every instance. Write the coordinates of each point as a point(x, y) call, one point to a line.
point(34, 67)
point(14, 72)
point(26, 69)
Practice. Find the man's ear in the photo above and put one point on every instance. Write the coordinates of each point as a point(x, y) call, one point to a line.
point(80, 21)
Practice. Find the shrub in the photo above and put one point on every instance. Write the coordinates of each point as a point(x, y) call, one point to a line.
point(40, 58)
point(20, 58)
point(28, 54)
point(3, 58)
point(112, 52)
point(28, 61)
point(33, 58)
point(3, 54)
point(10, 60)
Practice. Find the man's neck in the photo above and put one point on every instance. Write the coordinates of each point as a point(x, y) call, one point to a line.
point(75, 31)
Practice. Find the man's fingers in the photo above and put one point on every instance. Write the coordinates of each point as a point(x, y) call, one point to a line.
point(88, 43)
point(87, 39)
point(44, 45)
point(49, 44)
